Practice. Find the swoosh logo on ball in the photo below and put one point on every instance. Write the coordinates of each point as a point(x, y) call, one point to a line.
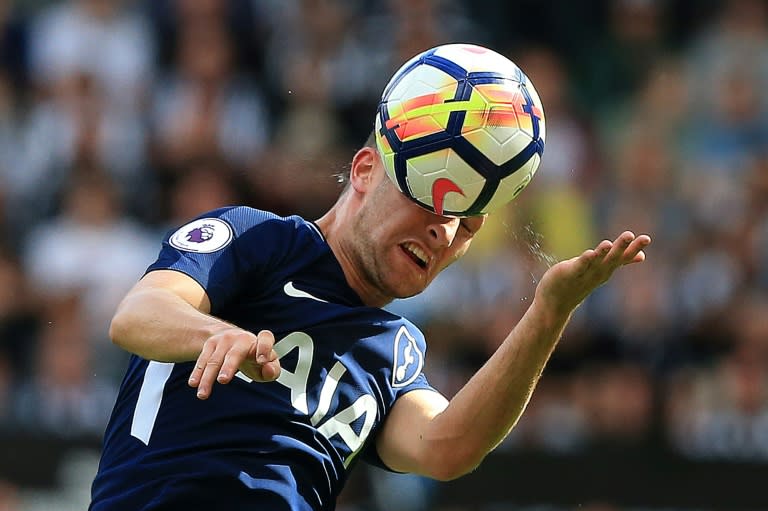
point(440, 187)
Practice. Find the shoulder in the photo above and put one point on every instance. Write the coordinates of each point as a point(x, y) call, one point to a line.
point(391, 325)
point(215, 229)
point(401, 345)
point(246, 217)
point(398, 324)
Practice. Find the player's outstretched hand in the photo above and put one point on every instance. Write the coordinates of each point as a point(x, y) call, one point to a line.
point(564, 286)
point(233, 350)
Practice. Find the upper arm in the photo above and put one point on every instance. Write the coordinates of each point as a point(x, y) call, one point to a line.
point(402, 443)
point(164, 318)
point(177, 283)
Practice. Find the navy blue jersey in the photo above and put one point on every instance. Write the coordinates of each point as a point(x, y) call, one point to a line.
point(283, 445)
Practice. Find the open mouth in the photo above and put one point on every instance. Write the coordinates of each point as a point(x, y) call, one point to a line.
point(417, 255)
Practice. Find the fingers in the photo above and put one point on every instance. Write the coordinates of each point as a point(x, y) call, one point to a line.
point(261, 351)
point(625, 249)
point(565, 285)
point(227, 352)
point(232, 360)
point(211, 368)
point(264, 356)
point(270, 371)
point(615, 255)
point(634, 250)
point(197, 372)
point(604, 247)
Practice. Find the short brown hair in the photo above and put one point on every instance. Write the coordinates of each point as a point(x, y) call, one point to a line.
point(371, 141)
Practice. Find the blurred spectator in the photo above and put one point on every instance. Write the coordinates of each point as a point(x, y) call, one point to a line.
point(662, 105)
point(91, 67)
point(618, 398)
point(639, 311)
point(203, 186)
point(710, 279)
point(95, 252)
point(556, 419)
point(77, 126)
point(104, 39)
point(66, 392)
point(609, 402)
point(722, 412)
point(297, 183)
point(244, 21)
point(736, 41)
point(332, 59)
point(317, 67)
point(729, 136)
point(571, 148)
point(615, 63)
point(419, 25)
point(204, 107)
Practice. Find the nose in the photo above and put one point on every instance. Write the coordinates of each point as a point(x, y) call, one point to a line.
point(442, 230)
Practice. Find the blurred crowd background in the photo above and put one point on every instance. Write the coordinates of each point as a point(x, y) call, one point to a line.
point(120, 119)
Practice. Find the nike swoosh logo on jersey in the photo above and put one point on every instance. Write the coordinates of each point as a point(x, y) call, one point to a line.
point(291, 291)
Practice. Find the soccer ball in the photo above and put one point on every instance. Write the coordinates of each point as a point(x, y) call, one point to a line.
point(460, 130)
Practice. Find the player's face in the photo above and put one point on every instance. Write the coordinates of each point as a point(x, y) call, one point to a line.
point(399, 246)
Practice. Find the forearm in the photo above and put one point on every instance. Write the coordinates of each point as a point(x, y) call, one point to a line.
point(443, 439)
point(483, 412)
point(158, 325)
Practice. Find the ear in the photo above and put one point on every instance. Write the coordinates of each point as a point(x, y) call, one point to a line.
point(366, 167)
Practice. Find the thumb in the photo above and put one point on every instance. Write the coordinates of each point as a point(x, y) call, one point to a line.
point(261, 350)
point(270, 371)
point(265, 357)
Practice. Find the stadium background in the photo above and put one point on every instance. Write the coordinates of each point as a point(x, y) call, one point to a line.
point(119, 119)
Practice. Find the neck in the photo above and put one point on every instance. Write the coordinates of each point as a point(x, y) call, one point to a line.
point(332, 225)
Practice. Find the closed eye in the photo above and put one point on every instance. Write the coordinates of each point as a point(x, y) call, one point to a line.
point(472, 224)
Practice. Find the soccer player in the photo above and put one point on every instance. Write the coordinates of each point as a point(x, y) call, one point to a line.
point(264, 367)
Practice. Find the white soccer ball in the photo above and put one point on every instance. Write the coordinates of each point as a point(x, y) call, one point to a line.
point(460, 129)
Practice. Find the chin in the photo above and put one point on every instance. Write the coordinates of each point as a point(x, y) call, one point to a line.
point(409, 292)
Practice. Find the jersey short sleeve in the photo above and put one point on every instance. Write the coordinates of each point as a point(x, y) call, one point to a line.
point(222, 247)
point(406, 375)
